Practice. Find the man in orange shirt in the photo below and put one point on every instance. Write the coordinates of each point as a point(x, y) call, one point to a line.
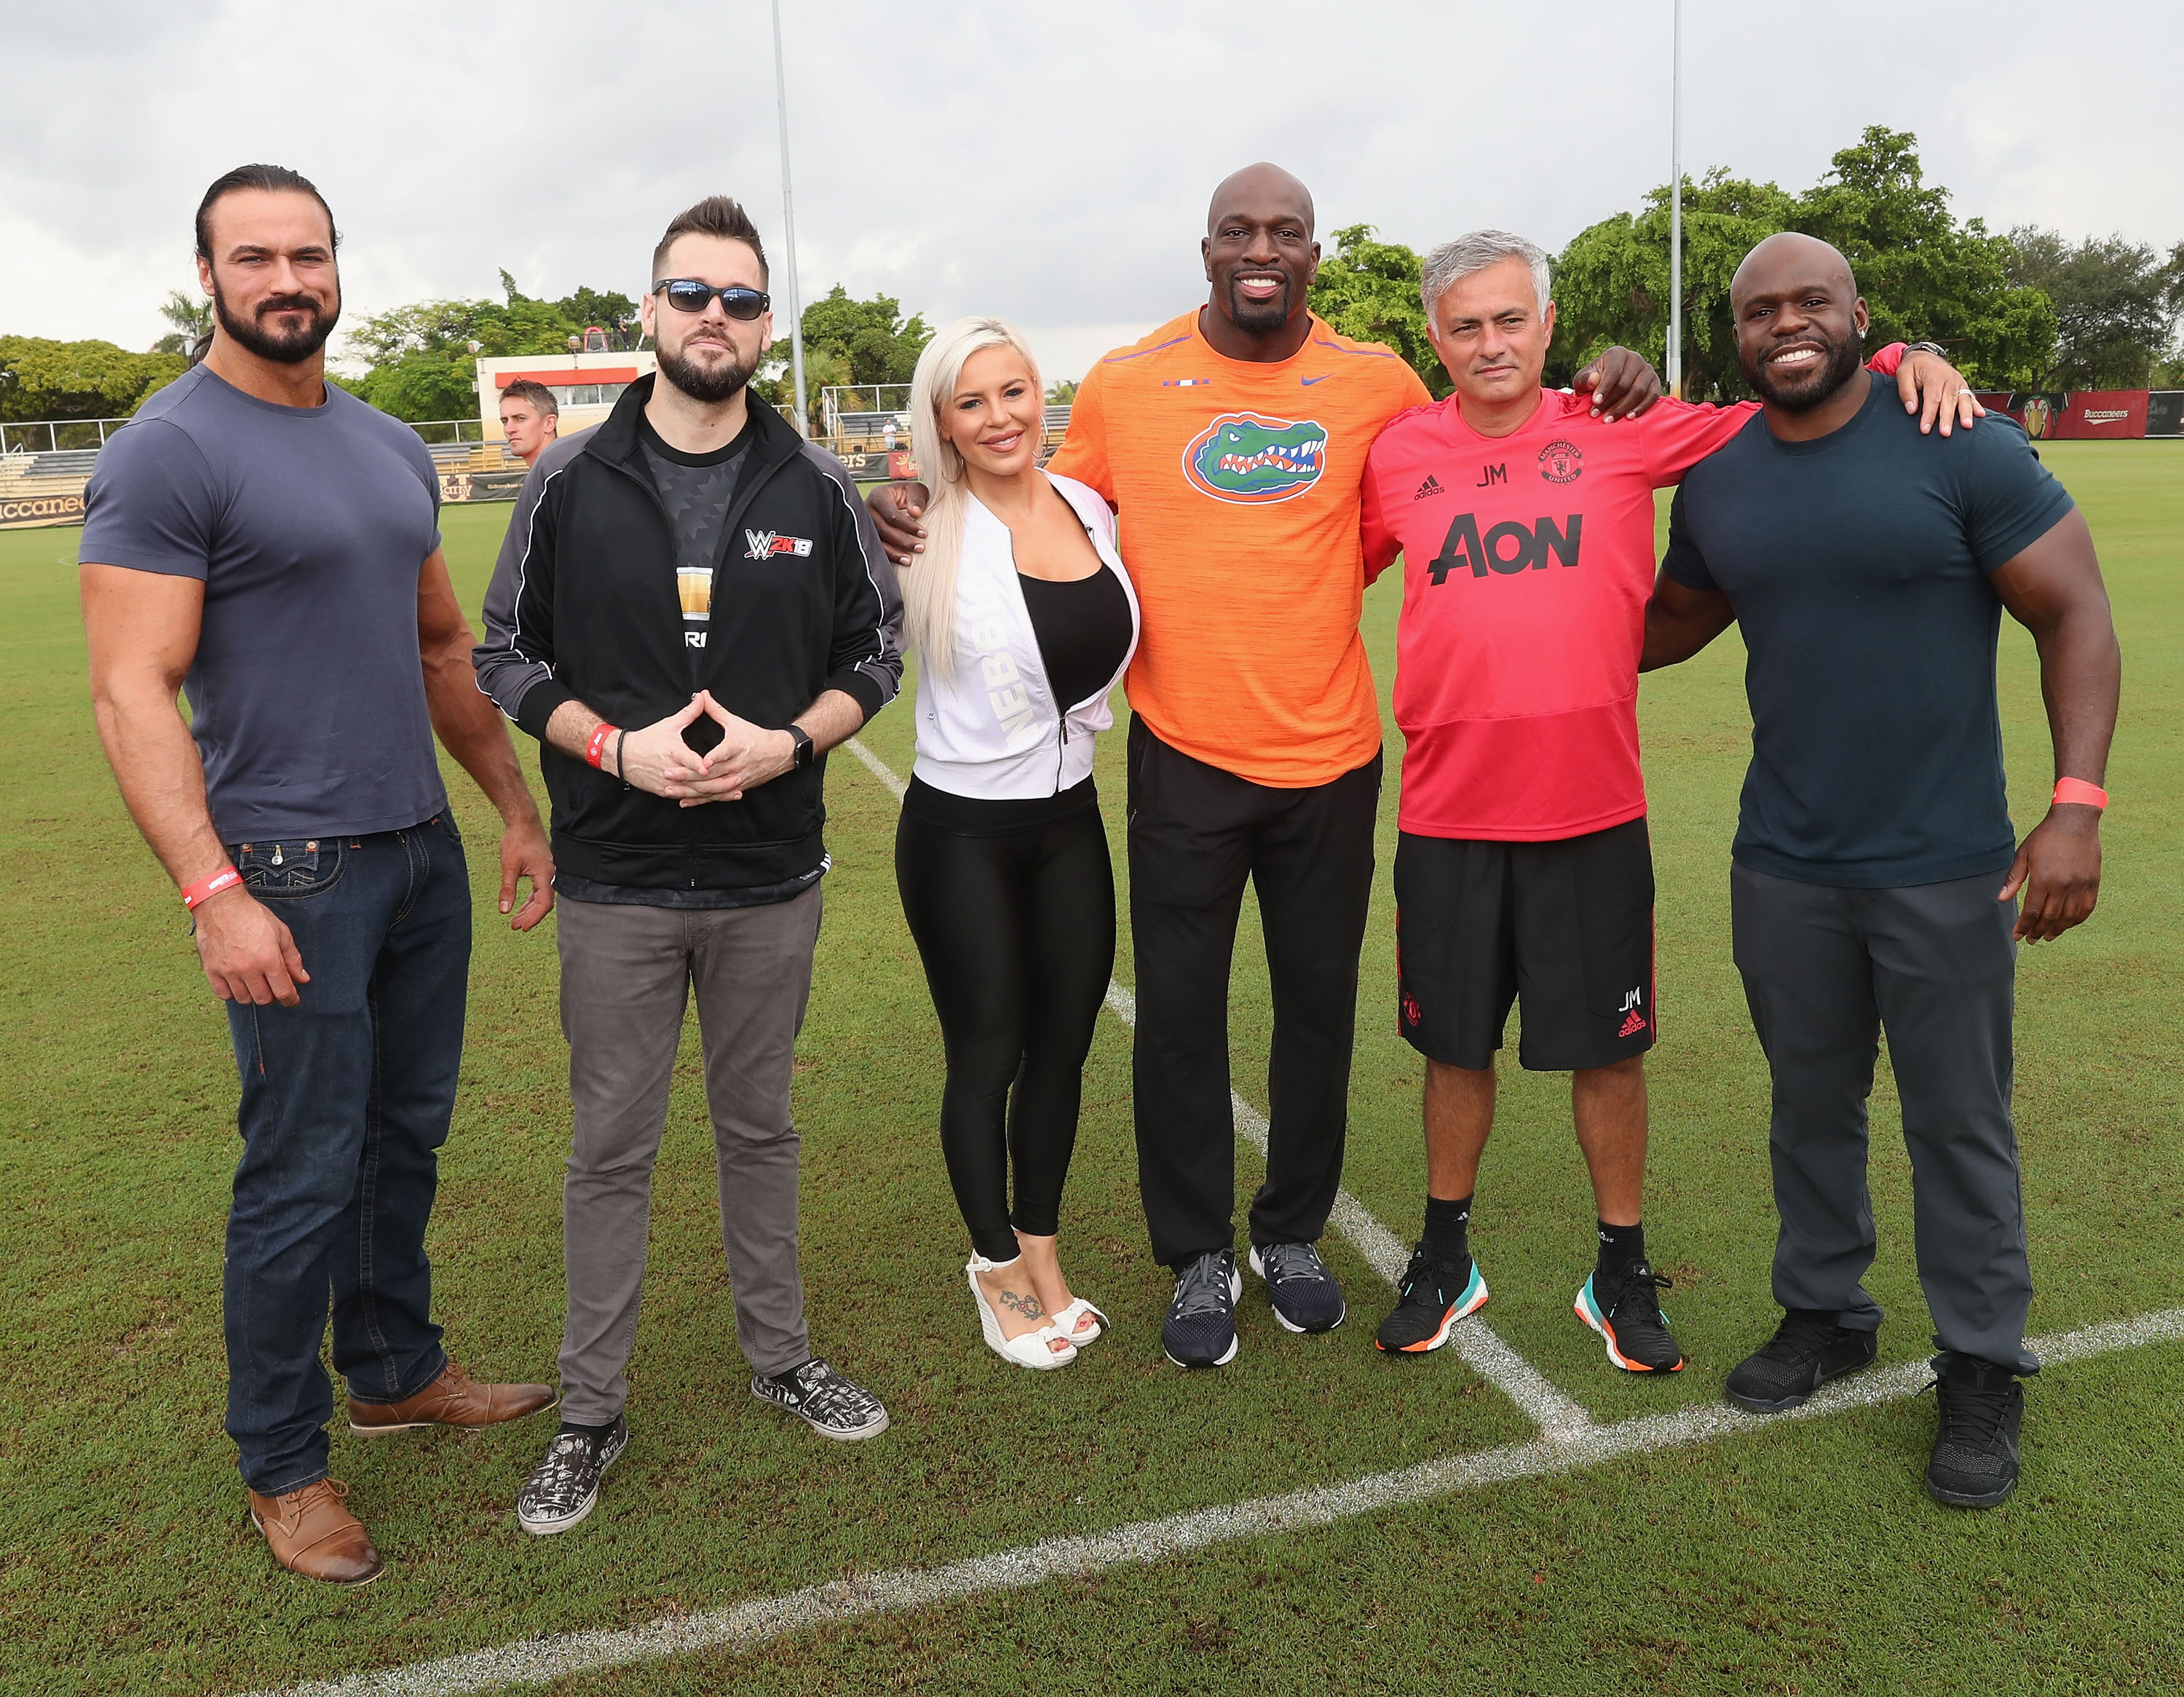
point(1232, 443)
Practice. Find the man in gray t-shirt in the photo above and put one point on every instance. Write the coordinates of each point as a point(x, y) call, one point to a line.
point(268, 544)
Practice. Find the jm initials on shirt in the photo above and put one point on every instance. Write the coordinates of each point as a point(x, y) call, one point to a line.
point(1508, 549)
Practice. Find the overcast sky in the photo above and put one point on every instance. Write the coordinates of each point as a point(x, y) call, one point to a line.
point(1049, 164)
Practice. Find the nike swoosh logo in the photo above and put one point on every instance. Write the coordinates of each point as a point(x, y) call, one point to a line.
point(1309, 382)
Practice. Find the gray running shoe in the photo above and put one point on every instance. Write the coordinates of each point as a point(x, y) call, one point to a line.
point(831, 1405)
point(565, 1486)
point(1201, 1327)
point(1304, 1293)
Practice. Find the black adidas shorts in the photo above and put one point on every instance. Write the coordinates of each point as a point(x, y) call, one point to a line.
point(1565, 928)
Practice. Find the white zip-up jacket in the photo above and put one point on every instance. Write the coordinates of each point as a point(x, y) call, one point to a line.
point(991, 727)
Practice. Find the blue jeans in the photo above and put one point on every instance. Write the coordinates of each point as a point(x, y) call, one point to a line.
point(346, 1101)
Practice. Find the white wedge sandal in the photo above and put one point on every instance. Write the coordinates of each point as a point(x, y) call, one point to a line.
point(1033, 1350)
point(1071, 1323)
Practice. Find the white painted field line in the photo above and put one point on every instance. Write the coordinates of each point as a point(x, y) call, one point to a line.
point(745, 1625)
point(1480, 1346)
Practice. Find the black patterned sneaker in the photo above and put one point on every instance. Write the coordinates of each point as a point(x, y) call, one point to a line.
point(1432, 1297)
point(563, 1487)
point(1806, 1350)
point(1975, 1461)
point(1304, 1293)
point(1625, 1309)
point(1201, 1327)
point(834, 1406)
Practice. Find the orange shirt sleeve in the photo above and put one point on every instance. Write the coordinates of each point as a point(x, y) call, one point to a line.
point(1084, 451)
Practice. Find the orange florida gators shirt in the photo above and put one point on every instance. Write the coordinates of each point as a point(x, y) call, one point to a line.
point(1236, 487)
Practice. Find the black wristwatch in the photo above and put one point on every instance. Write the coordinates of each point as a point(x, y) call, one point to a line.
point(1932, 348)
point(805, 755)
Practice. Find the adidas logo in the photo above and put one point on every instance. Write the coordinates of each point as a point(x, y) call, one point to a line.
point(1430, 487)
point(1632, 1023)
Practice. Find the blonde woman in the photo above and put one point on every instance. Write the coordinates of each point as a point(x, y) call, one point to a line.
point(1024, 619)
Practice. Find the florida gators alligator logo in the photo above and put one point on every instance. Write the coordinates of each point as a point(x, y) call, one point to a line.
point(1251, 460)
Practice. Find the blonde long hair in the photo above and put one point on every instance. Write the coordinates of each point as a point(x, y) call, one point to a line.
point(928, 588)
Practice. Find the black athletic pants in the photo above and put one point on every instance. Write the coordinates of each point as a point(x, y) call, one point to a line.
point(1196, 833)
point(1017, 935)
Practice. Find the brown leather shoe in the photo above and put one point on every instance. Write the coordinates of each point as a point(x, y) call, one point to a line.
point(311, 1532)
point(453, 1398)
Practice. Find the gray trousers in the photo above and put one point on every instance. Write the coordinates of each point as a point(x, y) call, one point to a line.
point(1825, 972)
point(627, 975)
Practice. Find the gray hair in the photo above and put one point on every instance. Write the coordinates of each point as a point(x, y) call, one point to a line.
point(1459, 259)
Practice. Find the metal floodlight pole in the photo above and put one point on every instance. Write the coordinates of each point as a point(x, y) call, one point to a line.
point(788, 224)
point(1675, 203)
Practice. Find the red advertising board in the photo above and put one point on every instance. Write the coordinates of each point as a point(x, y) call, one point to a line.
point(2101, 414)
point(2081, 415)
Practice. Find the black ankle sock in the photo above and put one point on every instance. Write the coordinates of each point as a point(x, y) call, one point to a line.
point(1447, 1234)
point(594, 1432)
point(1621, 1247)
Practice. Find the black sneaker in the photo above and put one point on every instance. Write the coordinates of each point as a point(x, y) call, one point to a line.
point(1806, 1350)
point(1201, 1327)
point(831, 1405)
point(562, 1488)
point(1305, 1296)
point(1623, 1308)
point(1433, 1297)
point(1975, 1461)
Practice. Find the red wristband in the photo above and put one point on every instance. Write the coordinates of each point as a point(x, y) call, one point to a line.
point(210, 885)
point(2077, 791)
point(595, 746)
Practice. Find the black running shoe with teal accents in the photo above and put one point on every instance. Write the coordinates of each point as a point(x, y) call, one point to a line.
point(1623, 1308)
point(1432, 1297)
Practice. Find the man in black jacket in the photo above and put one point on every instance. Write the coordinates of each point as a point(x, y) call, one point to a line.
point(692, 609)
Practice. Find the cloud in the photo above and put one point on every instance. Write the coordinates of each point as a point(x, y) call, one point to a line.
point(1049, 164)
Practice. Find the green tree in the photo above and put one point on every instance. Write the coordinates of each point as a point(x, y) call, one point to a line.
point(1061, 393)
point(39, 379)
point(2116, 302)
point(422, 358)
point(1611, 282)
point(1925, 276)
point(1369, 290)
point(190, 315)
point(871, 339)
point(616, 315)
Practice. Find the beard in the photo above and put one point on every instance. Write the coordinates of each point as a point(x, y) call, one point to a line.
point(1258, 317)
point(711, 383)
point(1810, 388)
point(291, 347)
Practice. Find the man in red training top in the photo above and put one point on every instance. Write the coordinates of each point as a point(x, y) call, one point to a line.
point(1523, 867)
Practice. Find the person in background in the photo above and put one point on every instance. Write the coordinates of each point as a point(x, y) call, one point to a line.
point(1875, 872)
point(1024, 619)
point(530, 418)
point(263, 539)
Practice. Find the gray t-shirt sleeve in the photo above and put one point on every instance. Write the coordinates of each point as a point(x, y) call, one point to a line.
point(505, 672)
point(152, 504)
point(2010, 499)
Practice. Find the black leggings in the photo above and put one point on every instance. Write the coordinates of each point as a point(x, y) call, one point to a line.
point(1018, 934)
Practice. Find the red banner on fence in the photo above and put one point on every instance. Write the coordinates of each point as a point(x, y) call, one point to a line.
point(2081, 415)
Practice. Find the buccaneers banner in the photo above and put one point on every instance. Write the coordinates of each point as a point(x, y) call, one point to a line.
point(26, 503)
point(2081, 415)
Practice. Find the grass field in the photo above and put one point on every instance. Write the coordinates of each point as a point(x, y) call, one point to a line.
point(1793, 1557)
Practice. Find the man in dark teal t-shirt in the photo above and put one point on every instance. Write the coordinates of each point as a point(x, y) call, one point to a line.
point(1876, 872)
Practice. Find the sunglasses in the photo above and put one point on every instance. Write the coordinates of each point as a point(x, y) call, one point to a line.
point(688, 294)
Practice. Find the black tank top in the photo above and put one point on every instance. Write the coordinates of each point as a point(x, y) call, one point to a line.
point(1084, 631)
